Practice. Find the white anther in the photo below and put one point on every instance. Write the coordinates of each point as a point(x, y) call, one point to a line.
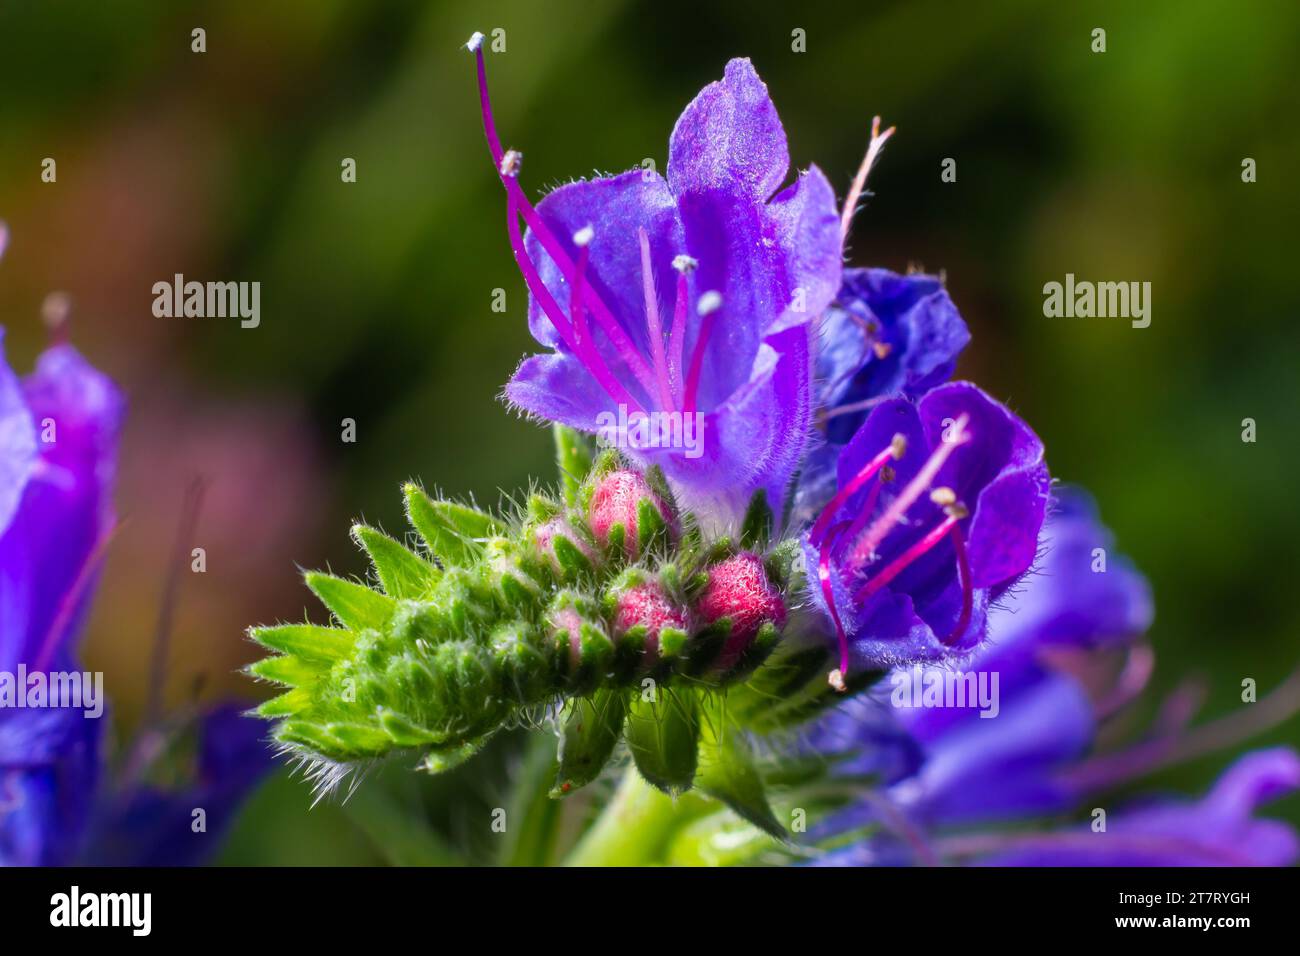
point(684, 263)
point(583, 236)
point(474, 43)
point(943, 496)
point(511, 161)
point(709, 302)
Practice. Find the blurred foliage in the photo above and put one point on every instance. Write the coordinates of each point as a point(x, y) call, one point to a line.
point(376, 295)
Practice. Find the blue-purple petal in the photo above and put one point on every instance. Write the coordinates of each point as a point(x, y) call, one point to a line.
point(1221, 829)
point(64, 513)
point(886, 334)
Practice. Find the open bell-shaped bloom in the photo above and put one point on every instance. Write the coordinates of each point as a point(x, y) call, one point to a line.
point(682, 305)
point(937, 513)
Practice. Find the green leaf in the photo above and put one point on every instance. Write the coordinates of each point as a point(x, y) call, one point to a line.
point(403, 573)
point(441, 760)
point(451, 531)
point(706, 645)
point(308, 641)
point(727, 771)
point(591, 731)
point(784, 563)
point(573, 562)
point(791, 687)
point(289, 670)
point(286, 705)
point(573, 455)
point(403, 731)
point(818, 698)
point(650, 525)
point(663, 734)
point(307, 734)
point(756, 530)
point(356, 606)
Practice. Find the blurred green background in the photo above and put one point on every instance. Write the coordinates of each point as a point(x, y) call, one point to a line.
point(376, 295)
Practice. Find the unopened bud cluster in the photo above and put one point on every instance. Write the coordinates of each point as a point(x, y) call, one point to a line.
point(501, 615)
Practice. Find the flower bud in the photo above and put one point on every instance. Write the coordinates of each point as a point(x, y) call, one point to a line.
point(647, 609)
point(626, 512)
point(562, 549)
point(738, 589)
point(583, 649)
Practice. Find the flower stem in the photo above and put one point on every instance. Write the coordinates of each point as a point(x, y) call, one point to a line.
point(635, 826)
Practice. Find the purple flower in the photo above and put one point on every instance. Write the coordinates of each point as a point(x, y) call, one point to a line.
point(58, 450)
point(1006, 762)
point(979, 768)
point(937, 513)
point(1030, 758)
point(885, 335)
point(1220, 829)
point(691, 295)
point(1083, 593)
point(70, 415)
point(58, 432)
point(156, 826)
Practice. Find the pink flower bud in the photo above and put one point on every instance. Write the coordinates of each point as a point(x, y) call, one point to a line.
point(738, 589)
point(648, 605)
point(615, 501)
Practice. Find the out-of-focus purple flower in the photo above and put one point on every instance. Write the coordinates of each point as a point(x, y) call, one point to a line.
point(937, 513)
point(1082, 593)
point(691, 295)
point(1220, 829)
point(980, 768)
point(998, 762)
point(18, 454)
point(49, 769)
point(60, 426)
point(48, 548)
point(971, 769)
point(886, 334)
point(154, 826)
point(58, 447)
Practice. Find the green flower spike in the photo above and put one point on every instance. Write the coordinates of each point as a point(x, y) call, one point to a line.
point(604, 609)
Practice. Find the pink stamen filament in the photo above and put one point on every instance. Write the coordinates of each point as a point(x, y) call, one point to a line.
point(897, 508)
point(677, 336)
point(865, 474)
point(878, 140)
point(864, 515)
point(865, 405)
point(653, 327)
point(581, 332)
point(967, 592)
point(604, 316)
point(591, 359)
point(697, 360)
point(896, 567)
point(1139, 665)
point(828, 593)
point(1147, 756)
point(71, 598)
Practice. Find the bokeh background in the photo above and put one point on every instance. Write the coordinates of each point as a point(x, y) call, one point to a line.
point(376, 295)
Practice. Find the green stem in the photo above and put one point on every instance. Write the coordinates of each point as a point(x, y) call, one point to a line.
point(635, 826)
point(395, 824)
